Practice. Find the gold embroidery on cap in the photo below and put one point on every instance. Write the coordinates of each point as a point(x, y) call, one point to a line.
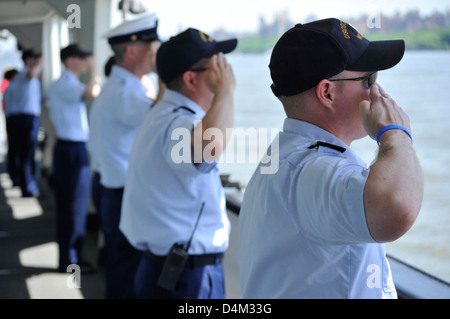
point(344, 30)
point(133, 37)
point(204, 38)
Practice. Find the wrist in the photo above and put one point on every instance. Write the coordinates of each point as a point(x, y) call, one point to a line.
point(392, 127)
point(224, 91)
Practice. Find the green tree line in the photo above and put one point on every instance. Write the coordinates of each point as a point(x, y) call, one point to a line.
point(431, 39)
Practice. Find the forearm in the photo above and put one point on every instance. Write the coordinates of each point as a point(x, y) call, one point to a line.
point(394, 189)
point(213, 128)
point(92, 87)
point(35, 69)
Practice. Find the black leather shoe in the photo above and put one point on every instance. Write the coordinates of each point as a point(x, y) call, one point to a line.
point(34, 194)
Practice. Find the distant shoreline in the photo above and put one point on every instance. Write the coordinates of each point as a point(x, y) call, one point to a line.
point(431, 39)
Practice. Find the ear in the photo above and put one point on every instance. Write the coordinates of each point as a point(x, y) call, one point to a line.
point(130, 50)
point(190, 80)
point(326, 93)
point(68, 63)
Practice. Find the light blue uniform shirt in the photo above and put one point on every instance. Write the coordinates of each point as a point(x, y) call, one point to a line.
point(68, 109)
point(116, 115)
point(303, 231)
point(94, 137)
point(23, 96)
point(163, 195)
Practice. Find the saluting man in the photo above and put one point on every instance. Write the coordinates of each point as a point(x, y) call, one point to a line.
point(173, 207)
point(22, 110)
point(115, 117)
point(315, 228)
point(67, 108)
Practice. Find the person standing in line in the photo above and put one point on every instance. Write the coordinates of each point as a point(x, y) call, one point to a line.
point(115, 117)
point(8, 76)
point(67, 107)
point(96, 187)
point(23, 101)
point(174, 203)
point(316, 227)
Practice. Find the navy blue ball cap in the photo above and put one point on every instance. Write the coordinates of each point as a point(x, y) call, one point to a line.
point(311, 52)
point(182, 51)
point(30, 53)
point(73, 50)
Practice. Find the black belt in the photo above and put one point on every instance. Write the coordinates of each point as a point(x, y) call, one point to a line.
point(118, 190)
point(193, 260)
point(22, 115)
point(68, 142)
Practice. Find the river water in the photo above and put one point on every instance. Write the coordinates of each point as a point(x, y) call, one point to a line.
point(420, 84)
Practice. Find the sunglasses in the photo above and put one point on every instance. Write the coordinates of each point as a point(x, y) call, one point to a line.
point(198, 70)
point(371, 79)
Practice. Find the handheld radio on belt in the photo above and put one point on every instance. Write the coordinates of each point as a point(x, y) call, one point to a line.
point(175, 261)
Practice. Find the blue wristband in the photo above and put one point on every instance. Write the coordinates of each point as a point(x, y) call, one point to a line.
point(392, 127)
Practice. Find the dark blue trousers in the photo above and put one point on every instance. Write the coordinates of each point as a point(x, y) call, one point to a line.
point(206, 282)
point(71, 176)
point(12, 157)
point(120, 256)
point(22, 143)
point(96, 191)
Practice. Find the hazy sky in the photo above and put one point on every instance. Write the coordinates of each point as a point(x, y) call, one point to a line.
point(243, 15)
